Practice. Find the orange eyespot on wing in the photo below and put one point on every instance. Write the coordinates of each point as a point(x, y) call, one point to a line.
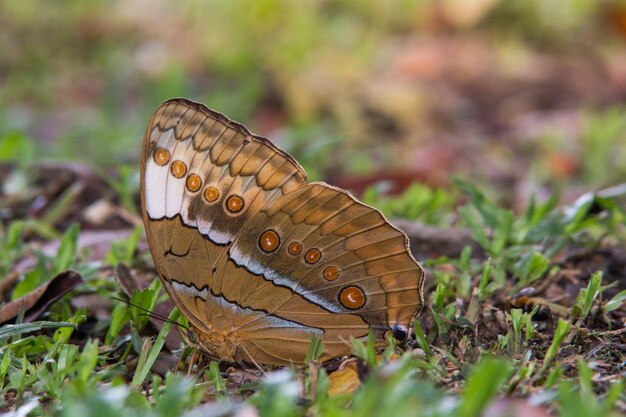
point(179, 169)
point(352, 297)
point(211, 194)
point(312, 256)
point(269, 241)
point(234, 204)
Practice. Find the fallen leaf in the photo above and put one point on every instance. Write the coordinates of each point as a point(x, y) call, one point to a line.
point(344, 381)
point(38, 300)
point(127, 281)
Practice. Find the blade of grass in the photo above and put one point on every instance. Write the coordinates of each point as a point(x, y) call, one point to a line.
point(10, 330)
point(144, 366)
point(421, 339)
point(562, 329)
point(483, 385)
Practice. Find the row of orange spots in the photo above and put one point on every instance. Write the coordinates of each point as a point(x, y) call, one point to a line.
point(179, 169)
point(351, 297)
point(269, 242)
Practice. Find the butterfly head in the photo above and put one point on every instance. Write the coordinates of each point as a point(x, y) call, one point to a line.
point(398, 332)
point(215, 344)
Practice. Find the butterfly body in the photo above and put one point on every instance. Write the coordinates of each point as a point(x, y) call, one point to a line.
point(258, 259)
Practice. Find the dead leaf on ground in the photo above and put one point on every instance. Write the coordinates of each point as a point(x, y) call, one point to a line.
point(344, 381)
point(38, 300)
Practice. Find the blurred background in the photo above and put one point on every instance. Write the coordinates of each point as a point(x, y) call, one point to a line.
point(524, 97)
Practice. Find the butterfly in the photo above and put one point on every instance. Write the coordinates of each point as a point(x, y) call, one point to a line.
point(258, 259)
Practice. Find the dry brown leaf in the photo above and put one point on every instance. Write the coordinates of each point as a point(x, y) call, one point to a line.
point(344, 381)
point(37, 301)
point(125, 278)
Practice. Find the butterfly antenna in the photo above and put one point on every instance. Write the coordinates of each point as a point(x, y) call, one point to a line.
point(152, 314)
point(164, 319)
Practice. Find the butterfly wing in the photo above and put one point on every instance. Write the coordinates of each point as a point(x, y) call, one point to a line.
point(245, 246)
point(352, 271)
point(202, 177)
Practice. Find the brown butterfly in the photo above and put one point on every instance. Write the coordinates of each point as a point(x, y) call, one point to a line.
point(258, 259)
